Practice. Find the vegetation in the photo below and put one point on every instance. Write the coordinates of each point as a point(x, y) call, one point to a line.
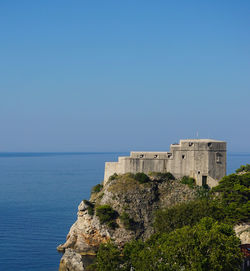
point(113, 177)
point(107, 215)
point(234, 195)
point(195, 235)
point(187, 213)
point(162, 177)
point(141, 177)
point(90, 208)
point(108, 259)
point(128, 223)
point(97, 188)
point(242, 168)
point(189, 181)
point(208, 246)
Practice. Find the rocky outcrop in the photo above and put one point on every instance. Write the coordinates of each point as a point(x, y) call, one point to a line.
point(127, 196)
point(243, 232)
point(71, 261)
point(86, 234)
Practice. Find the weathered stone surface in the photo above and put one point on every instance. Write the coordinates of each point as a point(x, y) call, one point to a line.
point(124, 194)
point(243, 232)
point(86, 234)
point(71, 261)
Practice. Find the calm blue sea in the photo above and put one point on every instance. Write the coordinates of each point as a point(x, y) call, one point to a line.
point(39, 195)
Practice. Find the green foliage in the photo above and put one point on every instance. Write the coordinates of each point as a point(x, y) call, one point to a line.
point(234, 195)
point(187, 213)
point(129, 223)
point(106, 215)
point(207, 246)
point(189, 181)
point(162, 177)
point(90, 208)
point(113, 177)
point(242, 168)
point(189, 236)
point(97, 188)
point(112, 225)
point(108, 258)
point(202, 192)
point(141, 177)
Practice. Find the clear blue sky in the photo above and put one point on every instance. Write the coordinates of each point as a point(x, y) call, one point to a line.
point(123, 75)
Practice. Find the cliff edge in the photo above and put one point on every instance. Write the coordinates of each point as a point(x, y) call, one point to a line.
point(123, 210)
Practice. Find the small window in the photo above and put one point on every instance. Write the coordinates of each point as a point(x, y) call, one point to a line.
point(218, 157)
point(169, 155)
point(183, 156)
point(156, 156)
point(209, 144)
point(199, 172)
point(141, 155)
point(190, 144)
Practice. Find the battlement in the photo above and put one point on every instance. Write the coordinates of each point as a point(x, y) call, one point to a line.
point(202, 159)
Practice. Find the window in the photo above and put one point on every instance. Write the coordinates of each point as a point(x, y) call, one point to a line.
point(155, 156)
point(169, 155)
point(141, 155)
point(183, 156)
point(218, 157)
point(209, 144)
point(190, 144)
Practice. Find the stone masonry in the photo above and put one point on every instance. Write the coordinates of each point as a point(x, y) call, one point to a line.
point(202, 159)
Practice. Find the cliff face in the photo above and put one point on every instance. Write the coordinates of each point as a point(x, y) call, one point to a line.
point(134, 204)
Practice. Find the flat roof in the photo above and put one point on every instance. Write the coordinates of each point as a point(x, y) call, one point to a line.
point(201, 140)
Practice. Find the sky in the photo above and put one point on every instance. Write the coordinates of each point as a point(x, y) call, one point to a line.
point(123, 75)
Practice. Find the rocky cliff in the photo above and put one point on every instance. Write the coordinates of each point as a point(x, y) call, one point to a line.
point(120, 211)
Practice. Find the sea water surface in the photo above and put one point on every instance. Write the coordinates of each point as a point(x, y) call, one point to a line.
point(39, 195)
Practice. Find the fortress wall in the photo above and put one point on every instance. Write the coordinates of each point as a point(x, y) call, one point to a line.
point(202, 159)
point(110, 169)
point(135, 165)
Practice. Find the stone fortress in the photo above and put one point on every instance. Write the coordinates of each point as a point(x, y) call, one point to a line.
point(202, 159)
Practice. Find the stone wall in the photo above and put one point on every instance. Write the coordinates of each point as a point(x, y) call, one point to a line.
point(202, 159)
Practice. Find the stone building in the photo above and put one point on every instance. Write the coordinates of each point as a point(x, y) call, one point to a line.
point(202, 159)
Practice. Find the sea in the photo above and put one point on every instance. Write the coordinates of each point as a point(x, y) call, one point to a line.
point(39, 196)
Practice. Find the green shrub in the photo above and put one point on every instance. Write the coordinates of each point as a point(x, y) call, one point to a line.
point(207, 246)
point(106, 214)
point(187, 213)
point(189, 181)
point(128, 223)
point(97, 188)
point(161, 177)
point(202, 191)
point(90, 208)
point(113, 177)
point(242, 168)
point(108, 258)
point(112, 224)
point(141, 177)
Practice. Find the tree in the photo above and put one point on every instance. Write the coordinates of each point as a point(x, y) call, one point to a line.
point(234, 196)
point(108, 258)
point(208, 246)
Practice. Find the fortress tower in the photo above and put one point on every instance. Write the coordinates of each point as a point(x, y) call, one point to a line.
point(202, 159)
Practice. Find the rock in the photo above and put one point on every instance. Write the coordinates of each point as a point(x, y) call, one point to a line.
point(243, 232)
point(86, 234)
point(71, 261)
point(124, 194)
